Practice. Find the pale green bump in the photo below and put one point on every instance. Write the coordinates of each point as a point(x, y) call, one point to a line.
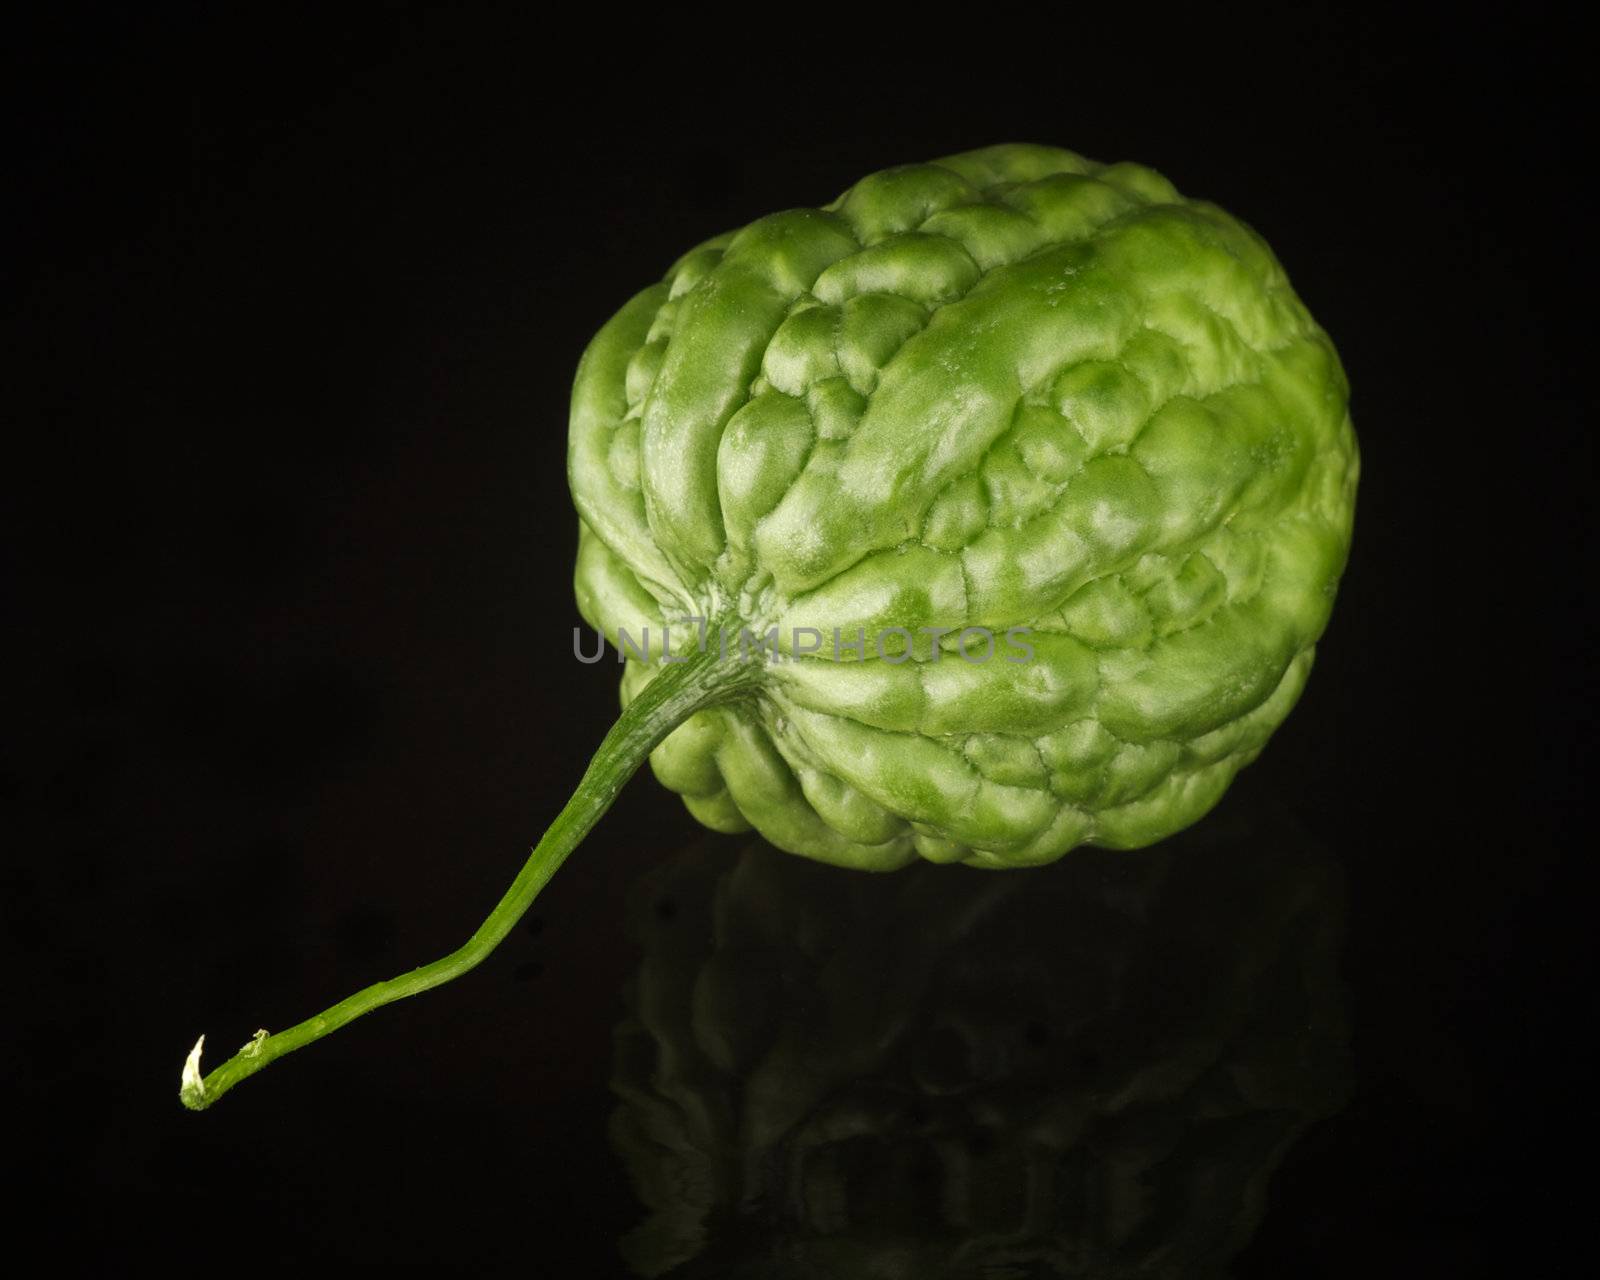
point(876, 762)
point(1006, 758)
point(872, 328)
point(802, 350)
point(1307, 551)
point(1002, 817)
point(1180, 800)
point(997, 695)
point(1069, 827)
point(789, 250)
point(882, 694)
point(1144, 184)
point(766, 792)
point(1188, 454)
point(1111, 503)
point(910, 586)
point(899, 200)
point(661, 328)
point(1019, 573)
point(925, 269)
point(1187, 597)
point(609, 595)
point(1216, 353)
point(642, 370)
point(763, 449)
point(1077, 756)
point(992, 235)
point(622, 458)
point(1136, 770)
point(695, 266)
point(1159, 364)
point(1240, 558)
point(1015, 490)
point(1104, 402)
point(1106, 614)
point(852, 814)
point(958, 515)
point(718, 812)
point(933, 848)
point(686, 759)
point(836, 408)
point(1187, 684)
point(1048, 445)
point(1068, 207)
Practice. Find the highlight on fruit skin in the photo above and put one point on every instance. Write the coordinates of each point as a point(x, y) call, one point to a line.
point(1012, 393)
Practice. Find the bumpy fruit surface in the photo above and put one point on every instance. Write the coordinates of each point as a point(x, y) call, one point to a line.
point(1009, 389)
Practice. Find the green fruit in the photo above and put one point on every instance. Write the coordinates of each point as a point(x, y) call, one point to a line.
point(1009, 389)
point(1038, 477)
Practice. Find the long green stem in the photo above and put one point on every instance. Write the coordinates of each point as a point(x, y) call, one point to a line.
point(678, 691)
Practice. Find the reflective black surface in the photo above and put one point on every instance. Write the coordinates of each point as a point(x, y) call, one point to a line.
point(293, 314)
point(1090, 1071)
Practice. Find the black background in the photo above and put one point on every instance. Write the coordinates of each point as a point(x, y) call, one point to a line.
point(295, 309)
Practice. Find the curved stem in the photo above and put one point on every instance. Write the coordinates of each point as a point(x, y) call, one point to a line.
point(678, 691)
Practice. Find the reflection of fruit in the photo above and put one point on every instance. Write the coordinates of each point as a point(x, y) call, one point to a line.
point(1089, 1070)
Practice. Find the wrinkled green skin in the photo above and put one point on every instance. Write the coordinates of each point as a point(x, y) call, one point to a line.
point(1009, 388)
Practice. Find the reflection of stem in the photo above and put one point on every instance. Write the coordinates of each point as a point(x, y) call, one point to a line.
point(676, 693)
